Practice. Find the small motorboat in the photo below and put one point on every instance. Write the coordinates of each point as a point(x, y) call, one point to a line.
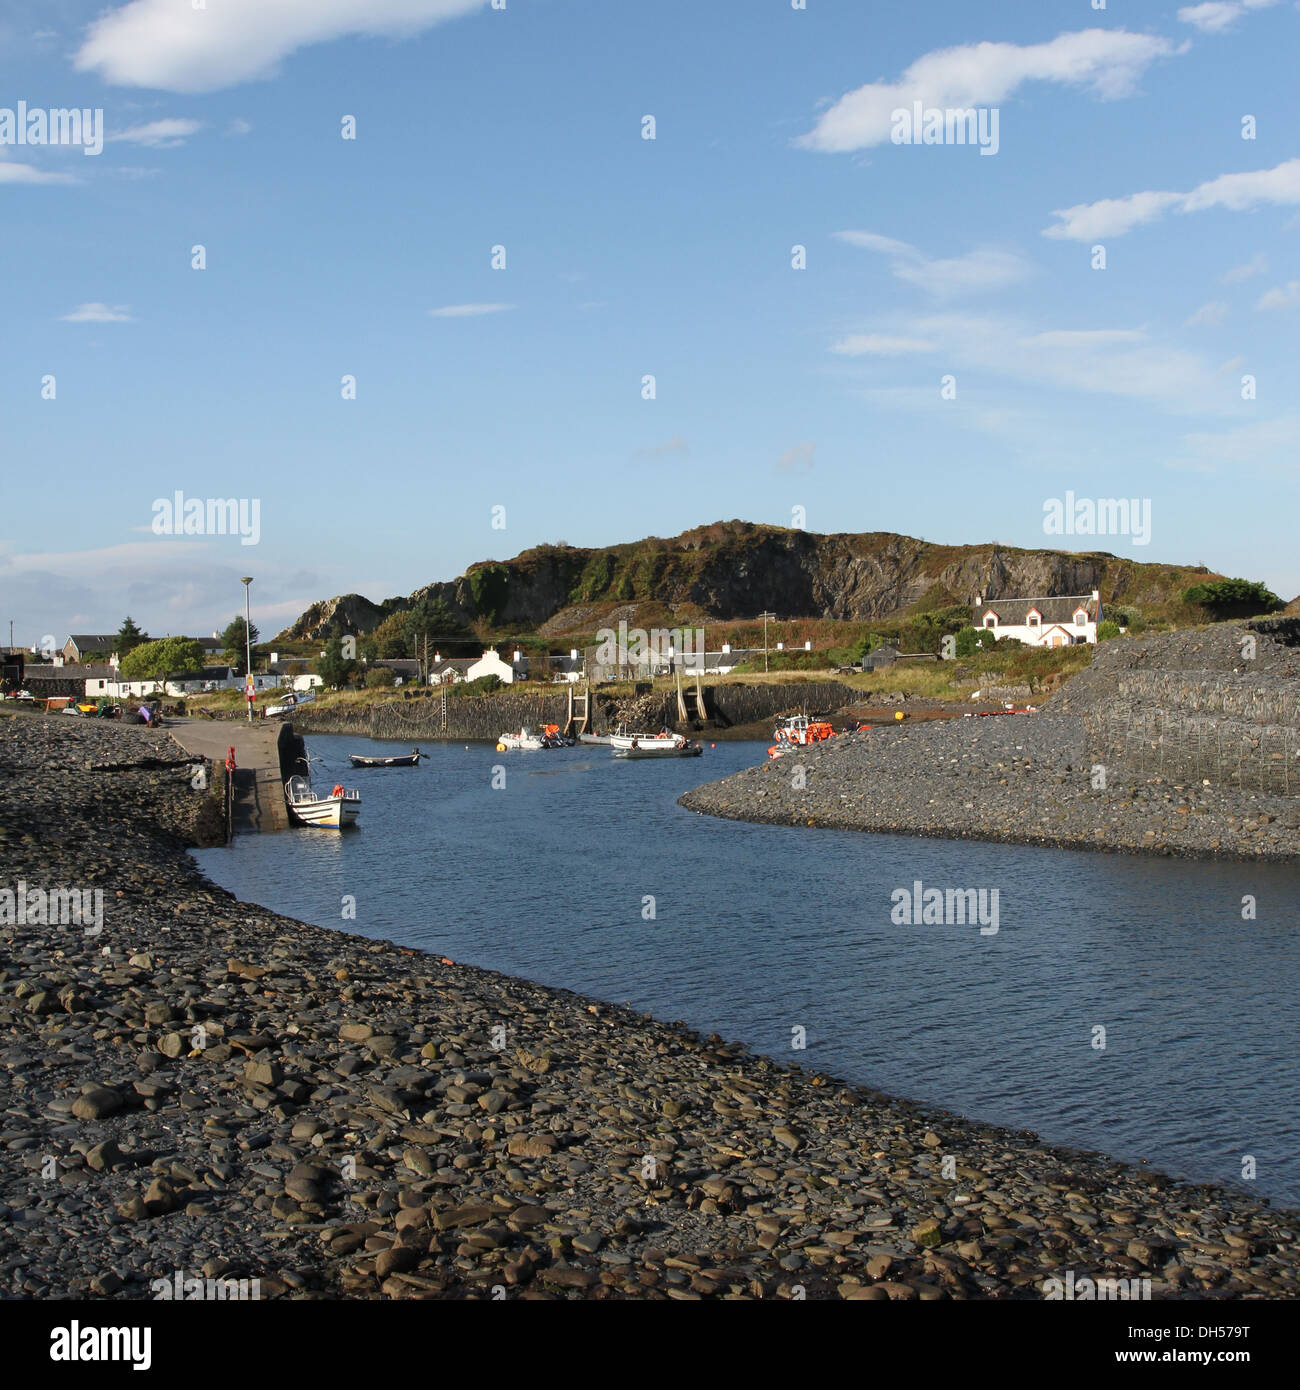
point(411, 759)
point(341, 807)
point(595, 738)
point(553, 738)
point(523, 740)
point(290, 703)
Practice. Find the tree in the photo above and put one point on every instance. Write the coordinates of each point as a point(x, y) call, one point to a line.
point(161, 660)
point(430, 618)
point(389, 638)
point(1233, 598)
point(334, 668)
point(129, 637)
point(379, 676)
point(232, 644)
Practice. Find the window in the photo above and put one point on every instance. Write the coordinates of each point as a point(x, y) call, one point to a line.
point(1081, 617)
point(1033, 618)
point(990, 620)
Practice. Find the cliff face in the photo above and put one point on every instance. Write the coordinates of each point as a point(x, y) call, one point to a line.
point(734, 570)
point(331, 616)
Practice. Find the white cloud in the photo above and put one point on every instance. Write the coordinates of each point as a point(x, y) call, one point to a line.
point(27, 173)
point(944, 278)
point(1257, 265)
point(799, 458)
point(1215, 16)
point(1283, 297)
point(162, 135)
point(1121, 362)
point(878, 345)
point(675, 445)
point(1085, 337)
point(1208, 315)
point(1110, 217)
point(97, 313)
point(239, 126)
point(1262, 447)
point(468, 311)
point(171, 46)
point(1108, 61)
point(1113, 217)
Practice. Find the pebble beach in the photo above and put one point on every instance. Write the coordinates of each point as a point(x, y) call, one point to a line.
point(208, 1088)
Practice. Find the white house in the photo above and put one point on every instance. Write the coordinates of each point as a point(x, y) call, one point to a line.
point(491, 664)
point(1041, 622)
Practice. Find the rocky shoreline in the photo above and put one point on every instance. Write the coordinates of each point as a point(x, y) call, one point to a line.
point(208, 1088)
point(1017, 779)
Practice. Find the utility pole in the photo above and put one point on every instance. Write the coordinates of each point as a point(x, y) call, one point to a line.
point(248, 645)
point(425, 679)
point(765, 617)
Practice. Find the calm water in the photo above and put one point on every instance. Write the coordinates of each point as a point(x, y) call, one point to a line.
point(759, 929)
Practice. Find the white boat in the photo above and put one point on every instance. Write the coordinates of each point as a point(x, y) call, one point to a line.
point(663, 741)
point(290, 703)
point(341, 807)
point(522, 740)
point(680, 748)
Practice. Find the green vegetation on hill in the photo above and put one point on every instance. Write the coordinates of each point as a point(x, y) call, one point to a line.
point(834, 590)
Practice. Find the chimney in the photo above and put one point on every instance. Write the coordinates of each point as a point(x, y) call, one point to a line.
point(726, 646)
point(807, 646)
point(780, 646)
point(573, 653)
point(518, 656)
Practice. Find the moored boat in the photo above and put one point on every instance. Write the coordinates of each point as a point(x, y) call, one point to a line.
point(523, 740)
point(340, 808)
point(411, 759)
point(679, 748)
point(799, 731)
point(662, 740)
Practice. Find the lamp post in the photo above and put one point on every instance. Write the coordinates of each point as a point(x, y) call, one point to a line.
point(248, 643)
point(765, 617)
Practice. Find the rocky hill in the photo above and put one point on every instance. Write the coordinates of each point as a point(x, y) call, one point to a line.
point(736, 569)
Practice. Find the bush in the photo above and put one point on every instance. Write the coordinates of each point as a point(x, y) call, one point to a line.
point(380, 675)
point(1106, 630)
point(1233, 598)
point(484, 685)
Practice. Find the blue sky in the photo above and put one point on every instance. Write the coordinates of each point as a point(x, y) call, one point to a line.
point(776, 388)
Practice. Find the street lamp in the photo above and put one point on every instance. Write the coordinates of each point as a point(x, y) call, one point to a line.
point(765, 617)
point(248, 643)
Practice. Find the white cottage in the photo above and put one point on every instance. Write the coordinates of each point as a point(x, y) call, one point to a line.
point(491, 663)
point(1041, 622)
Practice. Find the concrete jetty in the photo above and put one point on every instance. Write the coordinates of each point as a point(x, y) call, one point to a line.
point(259, 783)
